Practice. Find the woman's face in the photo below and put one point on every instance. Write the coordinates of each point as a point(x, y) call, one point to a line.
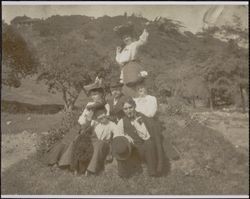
point(96, 96)
point(142, 92)
point(127, 40)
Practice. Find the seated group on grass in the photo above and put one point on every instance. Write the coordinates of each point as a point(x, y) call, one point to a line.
point(122, 127)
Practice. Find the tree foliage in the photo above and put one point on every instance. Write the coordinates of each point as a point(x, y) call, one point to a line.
point(73, 49)
point(18, 61)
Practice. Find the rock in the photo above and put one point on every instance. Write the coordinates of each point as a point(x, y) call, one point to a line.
point(8, 122)
point(28, 118)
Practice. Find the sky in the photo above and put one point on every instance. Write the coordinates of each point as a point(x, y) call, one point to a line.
point(190, 15)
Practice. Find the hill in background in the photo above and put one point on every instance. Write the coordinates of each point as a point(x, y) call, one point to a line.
point(191, 66)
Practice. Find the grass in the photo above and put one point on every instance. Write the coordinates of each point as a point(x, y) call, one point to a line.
point(227, 171)
point(43, 180)
point(20, 122)
point(209, 163)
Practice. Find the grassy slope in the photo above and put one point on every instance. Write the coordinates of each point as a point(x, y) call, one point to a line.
point(209, 164)
point(227, 174)
point(39, 179)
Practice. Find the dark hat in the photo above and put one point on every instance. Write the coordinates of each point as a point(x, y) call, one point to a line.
point(122, 30)
point(115, 84)
point(100, 112)
point(129, 100)
point(121, 148)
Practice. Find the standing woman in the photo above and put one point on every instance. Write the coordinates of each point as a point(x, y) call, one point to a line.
point(131, 70)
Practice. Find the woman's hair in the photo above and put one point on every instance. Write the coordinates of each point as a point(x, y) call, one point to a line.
point(99, 112)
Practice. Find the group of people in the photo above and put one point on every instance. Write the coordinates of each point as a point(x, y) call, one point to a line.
point(124, 127)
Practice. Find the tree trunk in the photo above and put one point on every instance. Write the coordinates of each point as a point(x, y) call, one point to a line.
point(243, 104)
point(193, 102)
point(211, 100)
point(69, 101)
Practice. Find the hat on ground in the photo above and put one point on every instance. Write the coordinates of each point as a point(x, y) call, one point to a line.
point(121, 148)
point(123, 30)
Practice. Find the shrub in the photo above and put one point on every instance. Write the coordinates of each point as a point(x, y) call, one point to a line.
point(56, 133)
point(175, 106)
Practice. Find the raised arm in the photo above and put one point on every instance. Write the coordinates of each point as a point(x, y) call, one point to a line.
point(143, 38)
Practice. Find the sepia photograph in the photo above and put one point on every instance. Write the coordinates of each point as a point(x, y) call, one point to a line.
point(125, 99)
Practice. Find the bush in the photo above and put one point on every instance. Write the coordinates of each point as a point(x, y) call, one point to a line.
point(56, 133)
point(175, 106)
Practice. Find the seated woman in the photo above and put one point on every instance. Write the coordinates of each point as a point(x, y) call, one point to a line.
point(103, 131)
point(75, 150)
point(144, 136)
point(147, 104)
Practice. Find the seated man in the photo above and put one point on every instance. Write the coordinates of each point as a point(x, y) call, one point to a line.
point(144, 136)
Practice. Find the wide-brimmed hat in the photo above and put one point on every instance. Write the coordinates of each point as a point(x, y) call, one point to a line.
point(121, 148)
point(126, 29)
point(96, 86)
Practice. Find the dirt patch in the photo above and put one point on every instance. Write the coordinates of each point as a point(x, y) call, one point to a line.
point(17, 147)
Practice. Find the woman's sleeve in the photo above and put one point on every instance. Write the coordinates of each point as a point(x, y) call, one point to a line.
point(118, 58)
point(142, 39)
point(85, 117)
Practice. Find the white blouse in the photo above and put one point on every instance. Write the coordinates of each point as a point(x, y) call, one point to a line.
point(146, 105)
point(129, 53)
point(105, 131)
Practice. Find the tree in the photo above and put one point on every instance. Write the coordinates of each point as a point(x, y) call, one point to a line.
point(68, 63)
point(18, 60)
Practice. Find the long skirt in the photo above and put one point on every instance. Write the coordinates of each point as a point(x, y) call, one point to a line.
point(101, 151)
point(74, 151)
point(131, 76)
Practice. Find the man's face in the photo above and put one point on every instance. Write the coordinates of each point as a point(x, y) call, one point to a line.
point(127, 39)
point(116, 92)
point(129, 110)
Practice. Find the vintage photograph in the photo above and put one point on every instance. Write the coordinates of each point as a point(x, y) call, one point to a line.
point(123, 98)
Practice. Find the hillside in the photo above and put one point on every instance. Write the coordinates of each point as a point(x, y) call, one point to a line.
point(189, 66)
